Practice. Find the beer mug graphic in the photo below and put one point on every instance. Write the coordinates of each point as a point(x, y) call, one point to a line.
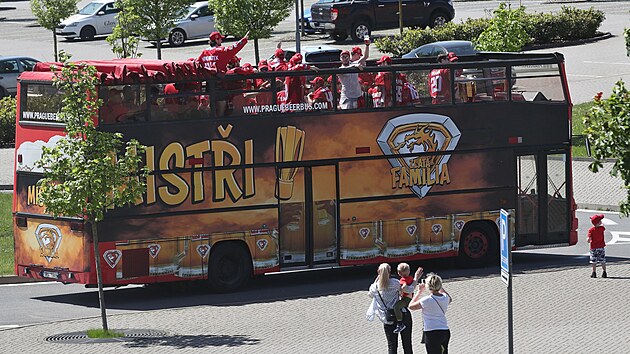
point(289, 147)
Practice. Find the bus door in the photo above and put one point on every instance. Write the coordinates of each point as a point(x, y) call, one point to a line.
point(542, 212)
point(308, 218)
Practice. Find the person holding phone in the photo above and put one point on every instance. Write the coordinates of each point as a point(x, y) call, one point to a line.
point(434, 306)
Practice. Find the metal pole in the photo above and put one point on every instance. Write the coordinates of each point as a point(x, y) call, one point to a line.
point(297, 29)
point(302, 16)
point(510, 312)
point(400, 16)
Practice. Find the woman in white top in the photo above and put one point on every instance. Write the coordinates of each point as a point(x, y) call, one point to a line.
point(434, 307)
point(385, 291)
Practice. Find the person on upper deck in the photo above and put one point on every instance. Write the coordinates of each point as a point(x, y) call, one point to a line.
point(440, 80)
point(216, 56)
point(350, 85)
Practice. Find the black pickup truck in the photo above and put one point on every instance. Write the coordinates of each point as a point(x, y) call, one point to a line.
point(358, 18)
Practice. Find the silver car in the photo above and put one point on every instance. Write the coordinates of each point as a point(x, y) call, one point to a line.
point(10, 69)
point(197, 23)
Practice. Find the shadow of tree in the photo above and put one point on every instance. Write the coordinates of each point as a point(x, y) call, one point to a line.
point(192, 341)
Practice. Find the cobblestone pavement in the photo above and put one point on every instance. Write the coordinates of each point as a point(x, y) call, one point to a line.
point(559, 310)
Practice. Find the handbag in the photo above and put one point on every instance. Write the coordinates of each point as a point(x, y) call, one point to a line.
point(390, 315)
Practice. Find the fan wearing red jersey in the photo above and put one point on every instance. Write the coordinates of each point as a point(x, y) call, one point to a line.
point(320, 93)
point(296, 85)
point(217, 57)
point(440, 80)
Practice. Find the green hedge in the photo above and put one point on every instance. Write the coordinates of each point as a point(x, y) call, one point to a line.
point(543, 28)
point(7, 122)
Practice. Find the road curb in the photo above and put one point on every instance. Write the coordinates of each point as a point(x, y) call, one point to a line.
point(14, 279)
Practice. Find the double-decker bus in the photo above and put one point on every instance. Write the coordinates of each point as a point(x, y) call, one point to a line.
point(263, 186)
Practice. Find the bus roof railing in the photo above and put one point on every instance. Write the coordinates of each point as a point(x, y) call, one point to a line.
point(143, 71)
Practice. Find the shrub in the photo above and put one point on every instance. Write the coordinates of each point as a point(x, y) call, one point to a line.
point(507, 31)
point(7, 121)
point(542, 28)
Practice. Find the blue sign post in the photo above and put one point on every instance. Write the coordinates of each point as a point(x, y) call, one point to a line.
point(506, 270)
point(506, 249)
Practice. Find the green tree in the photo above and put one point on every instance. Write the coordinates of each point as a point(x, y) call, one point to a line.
point(507, 31)
point(123, 39)
point(50, 13)
point(88, 171)
point(7, 121)
point(259, 17)
point(154, 19)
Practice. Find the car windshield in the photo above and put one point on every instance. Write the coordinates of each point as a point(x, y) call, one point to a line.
point(462, 50)
point(190, 10)
point(90, 8)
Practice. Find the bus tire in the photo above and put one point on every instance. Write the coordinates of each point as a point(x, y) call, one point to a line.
point(229, 267)
point(478, 244)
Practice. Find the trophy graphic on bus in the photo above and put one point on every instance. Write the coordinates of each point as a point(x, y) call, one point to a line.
point(289, 148)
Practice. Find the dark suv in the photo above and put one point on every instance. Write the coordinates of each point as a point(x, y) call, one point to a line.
point(360, 17)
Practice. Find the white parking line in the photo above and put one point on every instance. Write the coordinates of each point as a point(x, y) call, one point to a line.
point(618, 239)
point(608, 222)
point(584, 75)
point(597, 211)
point(29, 284)
point(604, 62)
point(8, 326)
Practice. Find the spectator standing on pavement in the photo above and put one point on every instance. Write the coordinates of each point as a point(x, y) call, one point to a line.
point(596, 240)
point(385, 292)
point(436, 333)
point(350, 85)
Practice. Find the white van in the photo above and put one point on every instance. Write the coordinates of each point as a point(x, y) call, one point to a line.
point(95, 19)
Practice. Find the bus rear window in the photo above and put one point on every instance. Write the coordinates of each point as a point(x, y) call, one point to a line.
point(40, 103)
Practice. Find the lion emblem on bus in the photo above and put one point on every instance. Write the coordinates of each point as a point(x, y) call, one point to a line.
point(419, 138)
point(49, 238)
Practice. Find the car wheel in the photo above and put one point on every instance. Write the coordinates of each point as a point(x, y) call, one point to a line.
point(478, 244)
point(339, 36)
point(88, 33)
point(438, 19)
point(3, 92)
point(177, 37)
point(229, 267)
point(360, 30)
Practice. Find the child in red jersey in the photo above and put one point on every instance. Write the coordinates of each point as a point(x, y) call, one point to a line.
point(407, 285)
point(596, 240)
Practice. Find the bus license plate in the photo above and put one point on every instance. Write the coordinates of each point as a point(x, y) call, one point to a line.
point(51, 275)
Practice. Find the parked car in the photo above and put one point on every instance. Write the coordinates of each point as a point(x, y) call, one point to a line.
point(10, 69)
point(341, 18)
point(95, 19)
point(198, 22)
point(308, 23)
point(460, 48)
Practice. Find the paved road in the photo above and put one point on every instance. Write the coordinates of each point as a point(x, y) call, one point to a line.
point(556, 310)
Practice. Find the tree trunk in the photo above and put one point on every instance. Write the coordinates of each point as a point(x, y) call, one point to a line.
point(256, 53)
point(99, 276)
point(55, 45)
point(159, 49)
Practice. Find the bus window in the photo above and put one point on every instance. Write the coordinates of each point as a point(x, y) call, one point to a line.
point(415, 87)
point(41, 103)
point(557, 189)
point(537, 83)
point(481, 85)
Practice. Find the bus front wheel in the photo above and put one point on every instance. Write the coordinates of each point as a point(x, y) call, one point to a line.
point(478, 244)
point(229, 267)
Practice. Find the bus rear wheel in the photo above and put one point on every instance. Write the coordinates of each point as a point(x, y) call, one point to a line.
point(478, 245)
point(229, 267)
